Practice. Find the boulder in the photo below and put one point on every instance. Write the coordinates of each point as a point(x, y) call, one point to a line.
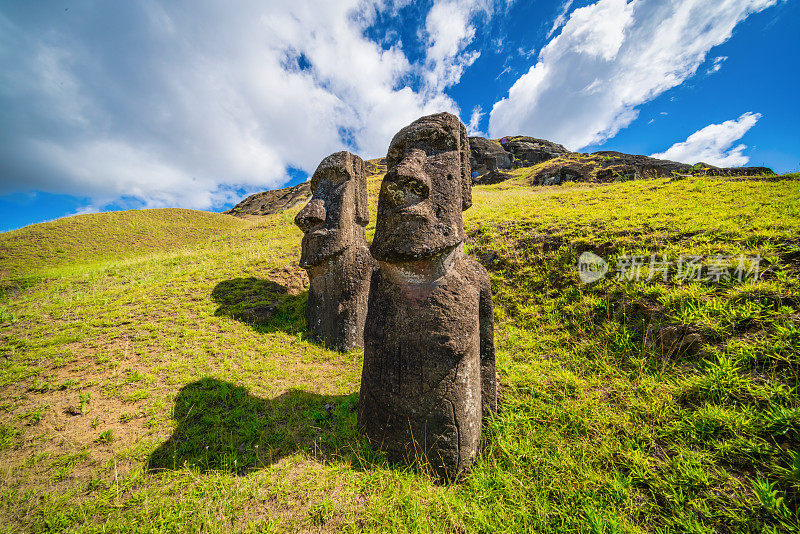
point(565, 173)
point(529, 151)
point(487, 155)
point(270, 202)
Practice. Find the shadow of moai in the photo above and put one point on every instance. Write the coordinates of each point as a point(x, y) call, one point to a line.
point(265, 305)
point(222, 427)
point(335, 253)
point(429, 366)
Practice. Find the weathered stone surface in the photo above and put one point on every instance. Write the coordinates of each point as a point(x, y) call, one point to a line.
point(561, 174)
point(609, 166)
point(644, 165)
point(708, 170)
point(491, 177)
point(334, 251)
point(429, 367)
point(270, 202)
point(530, 151)
point(486, 155)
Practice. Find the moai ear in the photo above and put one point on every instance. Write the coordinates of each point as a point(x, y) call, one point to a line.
point(360, 177)
point(466, 170)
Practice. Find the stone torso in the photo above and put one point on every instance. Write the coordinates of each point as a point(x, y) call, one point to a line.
point(338, 297)
point(421, 382)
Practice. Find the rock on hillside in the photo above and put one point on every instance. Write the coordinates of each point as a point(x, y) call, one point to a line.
point(487, 155)
point(530, 151)
point(270, 202)
point(552, 164)
point(608, 166)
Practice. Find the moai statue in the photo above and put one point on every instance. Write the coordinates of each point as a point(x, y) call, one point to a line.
point(334, 252)
point(429, 366)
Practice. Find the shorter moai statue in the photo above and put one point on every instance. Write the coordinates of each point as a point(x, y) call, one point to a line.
point(429, 365)
point(335, 253)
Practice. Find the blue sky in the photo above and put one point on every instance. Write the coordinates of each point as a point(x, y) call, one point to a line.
point(195, 104)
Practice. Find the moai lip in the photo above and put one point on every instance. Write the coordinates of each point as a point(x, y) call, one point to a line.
point(334, 251)
point(429, 366)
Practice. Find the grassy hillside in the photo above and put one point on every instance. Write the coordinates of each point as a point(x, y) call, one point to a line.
point(152, 392)
point(107, 236)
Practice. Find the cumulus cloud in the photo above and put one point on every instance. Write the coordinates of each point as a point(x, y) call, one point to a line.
point(714, 144)
point(186, 103)
point(610, 57)
point(449, 29)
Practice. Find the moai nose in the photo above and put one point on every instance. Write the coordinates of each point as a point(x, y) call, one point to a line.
point(313, 214)
point(410, 178)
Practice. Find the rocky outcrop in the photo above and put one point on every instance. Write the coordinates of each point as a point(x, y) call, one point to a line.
point(554, 164)
point(487, 155)
point(603, 166)
point(270, 202)
point(529, 151)
point(710, 170)
point(609, 166)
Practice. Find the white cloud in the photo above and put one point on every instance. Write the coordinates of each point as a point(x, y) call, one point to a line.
point(181, 103)
point(473, 127)
point(449, 30)
point(718, 61)
point(714, 144)
point(526, 53)
point(560, 19)
point(609, 58)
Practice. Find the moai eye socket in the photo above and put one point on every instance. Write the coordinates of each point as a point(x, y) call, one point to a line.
point(405, 191)
point(395, 193)
point(417, 188)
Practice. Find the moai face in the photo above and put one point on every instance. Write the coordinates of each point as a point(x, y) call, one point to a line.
point(425, 190)
point(335, 217)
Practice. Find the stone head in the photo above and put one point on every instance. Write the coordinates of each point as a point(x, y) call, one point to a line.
point(425, 189)
point(336, 215)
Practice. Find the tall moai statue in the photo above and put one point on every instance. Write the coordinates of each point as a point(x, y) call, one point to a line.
point(335, 253)
point(429, 365)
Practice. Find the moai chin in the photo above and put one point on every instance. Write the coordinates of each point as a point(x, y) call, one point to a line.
point(429, 368)
point(334, 251)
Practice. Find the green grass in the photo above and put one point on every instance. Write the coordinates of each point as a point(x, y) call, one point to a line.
point(170, 384)
point(107, 236)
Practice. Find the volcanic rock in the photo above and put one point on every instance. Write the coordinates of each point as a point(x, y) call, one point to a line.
point(487, 155)
point(270, 202)
point(429, 362)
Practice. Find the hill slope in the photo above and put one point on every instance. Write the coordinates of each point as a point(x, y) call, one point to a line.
point(139, 394)
point(104, 236)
